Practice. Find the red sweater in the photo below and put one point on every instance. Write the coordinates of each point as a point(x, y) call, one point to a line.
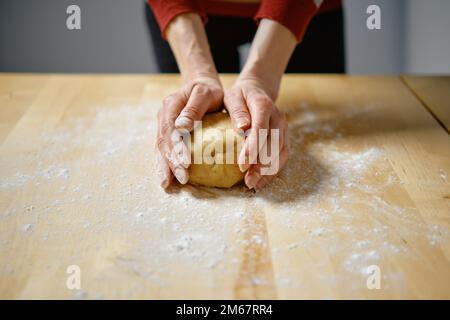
point(293, 14)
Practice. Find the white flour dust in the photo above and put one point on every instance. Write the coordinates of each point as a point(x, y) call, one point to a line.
point(94, 178)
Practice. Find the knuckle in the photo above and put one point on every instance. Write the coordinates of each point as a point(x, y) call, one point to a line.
point(259, 123)
point(192, 113)
point(264, 102)
point(239, 113)
point(159, 143)
point(164, 128)
point(233, 105)
point(202, 90)
point(167, 100)
point(232, 94)
point(170, 99)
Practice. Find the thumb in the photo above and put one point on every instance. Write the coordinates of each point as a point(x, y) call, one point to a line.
point(237, 108)
point(201, 100)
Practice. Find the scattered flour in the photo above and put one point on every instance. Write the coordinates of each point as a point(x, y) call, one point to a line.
point(443, 175)
point(27, 227)
point(321, 198)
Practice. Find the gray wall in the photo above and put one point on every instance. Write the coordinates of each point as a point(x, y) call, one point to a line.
point(415, 37)
point(374, 51)
point(427, 42)
point(113, 37)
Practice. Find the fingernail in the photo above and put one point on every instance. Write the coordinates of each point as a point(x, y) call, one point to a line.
point(241, 124)
point(243, 163)
point(164, 183)
point(181, 176)
point(183, 122)
point(243, 167)
point(251, 181)
point(162, 176)
point(185, 160)
point(185, 163)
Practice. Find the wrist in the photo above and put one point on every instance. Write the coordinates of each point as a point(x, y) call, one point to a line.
point(187, 38)
point(269, 84)
point(201, 76)
point(269, 55)
point(210, 79)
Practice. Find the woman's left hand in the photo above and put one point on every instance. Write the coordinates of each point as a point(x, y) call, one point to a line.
point(251, 106)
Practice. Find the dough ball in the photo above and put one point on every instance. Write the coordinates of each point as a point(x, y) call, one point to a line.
point(214, 172)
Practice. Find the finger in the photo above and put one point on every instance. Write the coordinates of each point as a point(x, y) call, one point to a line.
point(278, 122)
point(176, 166)
point(254, 179)
point(235, 104)
point(269, 165)
point(200, 101)
point(284, 155)
point(173, 149)
point(171, 108)
point(260, 106)
point(254, 174)
point(172, 105)
point(184, 155)
point(179, 140)
point(164, 173)
point(170, 159)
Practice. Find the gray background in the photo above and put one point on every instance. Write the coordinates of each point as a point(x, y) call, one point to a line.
point(415, 37)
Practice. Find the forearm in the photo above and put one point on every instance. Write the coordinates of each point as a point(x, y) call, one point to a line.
point(187, 38)
point(269, 55)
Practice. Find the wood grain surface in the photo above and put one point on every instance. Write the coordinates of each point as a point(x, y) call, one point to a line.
point(434, 92)
point(366, 186)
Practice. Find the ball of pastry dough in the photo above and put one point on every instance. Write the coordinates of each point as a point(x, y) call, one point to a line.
point(214, 169)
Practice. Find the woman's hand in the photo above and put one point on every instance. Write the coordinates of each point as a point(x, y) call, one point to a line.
point(179, 111)
point(250, 102)
point(251, 105)
point(202, 92)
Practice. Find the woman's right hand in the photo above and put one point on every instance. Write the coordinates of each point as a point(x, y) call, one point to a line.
point(199, 95)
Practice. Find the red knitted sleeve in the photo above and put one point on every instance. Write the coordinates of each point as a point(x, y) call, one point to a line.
point(166, 10)
point(293, 14)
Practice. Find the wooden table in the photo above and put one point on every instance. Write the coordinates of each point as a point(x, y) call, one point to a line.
point(365, 193)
